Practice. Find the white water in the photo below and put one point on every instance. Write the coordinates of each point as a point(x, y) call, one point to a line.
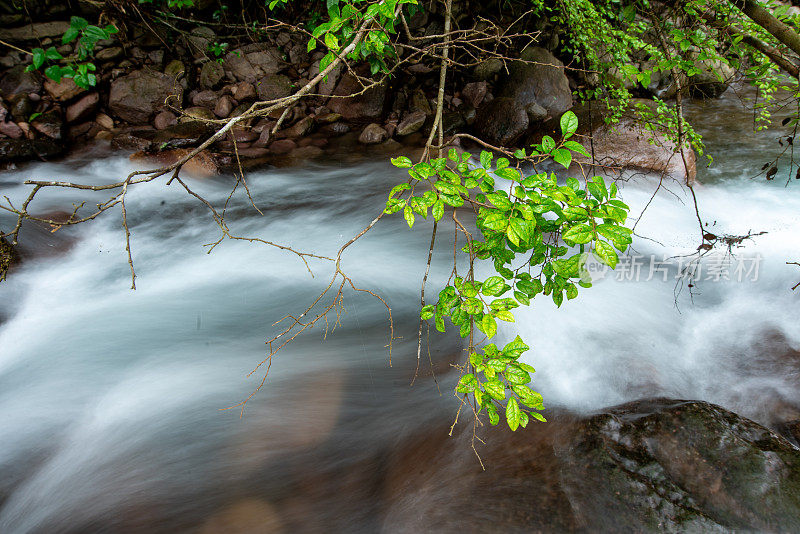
point(110, 399)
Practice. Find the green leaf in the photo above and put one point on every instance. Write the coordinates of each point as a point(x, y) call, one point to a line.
point(576, 147)
point(512, 414)
point(427, 312)
point(505, 315)
point(517, 375)
point(486, 159)
point(489, 326)
point(467, 383)
point(500, 201)
point(408, 215)
point(38, 57)
point(494, 417)
point(493, 286)
point(393, 205)
point(548, 143)
point(569, 124)
point(438, 210)
point(54, 72)
point(605, 253)
point(579, 234)
point(495, 389)
point(472, 306)
point(515, 348)
point(520, 230)
point(78, 23)
point(402, 162)
point(562, 156)
point(539, 416)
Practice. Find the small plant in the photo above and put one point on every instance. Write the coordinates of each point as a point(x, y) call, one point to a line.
point(218, 49)
point(77, 66)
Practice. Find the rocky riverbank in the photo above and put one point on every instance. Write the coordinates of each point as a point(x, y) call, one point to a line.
point(154, 100)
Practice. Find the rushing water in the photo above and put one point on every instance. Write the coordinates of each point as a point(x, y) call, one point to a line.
point(111, 400)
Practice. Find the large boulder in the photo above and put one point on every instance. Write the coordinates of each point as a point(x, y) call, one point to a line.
point(249, 64)
point(25, 149)
point(364, 107)
point(629, 144)
point(502, 121)
point(273, 87)
point(538, 79)
point(136, 97)
point(656, 465)
point(676, 466)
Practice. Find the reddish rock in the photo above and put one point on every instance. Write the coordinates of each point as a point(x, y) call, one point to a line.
point(264, 138)
point(104, 121)
point(202, 165)
point(49, 124)
point(63, 90)
point(282, 146)
point(83, 109)
point(11, 130)
point(224, 106)
point(206, 99)
point(300, 128)
point(253, 152)
point(366, 106)
point(165, 119)
point(242, 135)
point(244, 91)
point(373, 134)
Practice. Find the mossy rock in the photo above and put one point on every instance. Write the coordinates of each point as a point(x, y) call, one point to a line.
point(8, 256)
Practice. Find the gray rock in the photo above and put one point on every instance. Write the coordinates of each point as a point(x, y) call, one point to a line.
point(419, 102)
point(136, 97)
point(250, 66)
point(164, 120)
point(199, 40)
point(411, 123)
point(244, 91)
point(175, 68)
point(473, 93)
point(16, 81)
point(49, 124)
point(39, 30)
point(107, 54)
point(300, 128)
point(502, 121)
point(488, 68)
point(273, 87)
point(206, 99)
point(282, 146)
point(211, 75)
point(373, 134)
point(542, 82)
point(363, 107)
point(536, 113)
point(24, 149)
point(10, 129)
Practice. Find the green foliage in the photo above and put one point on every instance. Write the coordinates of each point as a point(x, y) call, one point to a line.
point(549, 226)
point(77, 65)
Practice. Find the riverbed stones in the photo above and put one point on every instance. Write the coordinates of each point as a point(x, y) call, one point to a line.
point(539, 78)
point(164, 119)
point(363, 107)
point(273, 87)
point(16, 81)
point(250, 64)
point(26, 149)
point(63, 90)
point(411, 123)
point(474, 93)
point(211, 75)
point(224, 106)
point(502, 121)
point(136, 97)
point(373, 134)
point(83, 109)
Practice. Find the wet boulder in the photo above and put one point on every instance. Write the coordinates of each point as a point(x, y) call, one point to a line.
point(136, 97)
point(16, 81)
point(502, 121)
point(26, 149)
point(676, 466)
point(363, 107)
point(538, 79)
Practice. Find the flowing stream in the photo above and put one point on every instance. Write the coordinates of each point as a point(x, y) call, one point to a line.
point(112, 401)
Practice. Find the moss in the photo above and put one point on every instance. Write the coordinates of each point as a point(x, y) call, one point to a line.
point(8, 256)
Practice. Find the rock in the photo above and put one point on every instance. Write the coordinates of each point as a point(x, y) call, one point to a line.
point(21, 107)
point(164, 119)
point(542, 82)
point(202, 165)
point(211, 75)
point(31, 32)
point(264, 138)
point(224, 106)
point(252, 65)
point(199, 40)
point(63, 90)
point(249, 516)
point(488, 68)
point(104, 121)
point(25, 149)
point(713, 79)
point(502, 121)
point(627, 145)
point(83, 109)
point(306, 152)
point(373, 134)
point(16, 81)
point(244, 91)
point(175, 68)
point(156, 57)
point(11, 130)
point(335, 129)
point(419, 102)
point(183, 134)
point(360, 108)
point(282, 146)
point(136, 140)
point(49, 124)
point(536, 113)
point(300, 128)
point(136, 97)
point(474, 93)
point(680, 466)
point(253, 152)
point(411, 123)
point(242, 135)
point(328, 118)
point(197, 113)
point(206, 99)
point(273, 87)
point(108, 54)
